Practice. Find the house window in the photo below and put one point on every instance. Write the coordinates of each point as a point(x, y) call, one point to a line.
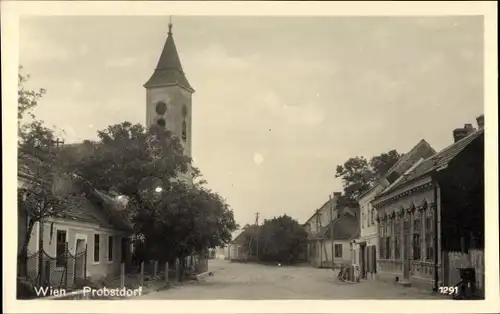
point(429, 239)
point(372, 211)
point(388, 227)
point(184, 131)
point(110, 248)
point(61, 248)
point(96, 248)
point(397, 239)
point(381, 240)
point(338, 250)
point(363, 219)
point(368, 220)
point(417, 225)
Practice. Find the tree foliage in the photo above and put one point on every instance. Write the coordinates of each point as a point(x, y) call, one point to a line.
point(358, 174)
point(184, 220)
point(172, 217)
point(281, 239)
point(39, 166)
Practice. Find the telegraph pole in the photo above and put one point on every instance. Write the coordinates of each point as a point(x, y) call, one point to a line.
point(257, 224)
point(331, 230)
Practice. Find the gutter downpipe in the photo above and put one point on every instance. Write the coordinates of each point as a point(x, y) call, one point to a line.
point(436, 225)
point(436, 275)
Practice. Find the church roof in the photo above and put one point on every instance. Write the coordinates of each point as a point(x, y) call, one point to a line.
point(169, 69)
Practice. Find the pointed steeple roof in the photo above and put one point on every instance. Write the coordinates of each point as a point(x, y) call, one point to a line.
point(169, 69)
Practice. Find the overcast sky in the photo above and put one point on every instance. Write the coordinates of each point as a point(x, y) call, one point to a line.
point(279, 101)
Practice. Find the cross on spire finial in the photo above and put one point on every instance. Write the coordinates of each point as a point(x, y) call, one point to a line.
point(170, 25)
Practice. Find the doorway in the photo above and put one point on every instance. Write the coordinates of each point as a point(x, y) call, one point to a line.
point(362, 260)
point(80, 258)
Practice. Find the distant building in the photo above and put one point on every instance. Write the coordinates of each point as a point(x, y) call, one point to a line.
point(365, 248)
point(322, 250)
point(435, 209)
point(236, 250)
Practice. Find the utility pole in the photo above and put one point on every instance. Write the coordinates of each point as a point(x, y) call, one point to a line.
point(331, 229)
point(257, 225)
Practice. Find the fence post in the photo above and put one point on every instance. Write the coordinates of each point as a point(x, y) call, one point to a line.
point(66, 257)
point(166, 274)
point(46, 271)
point(85, 263)
point(122, 275)
point(74, 267)
point(41, 267)
point(155, 269)
point(142, 274)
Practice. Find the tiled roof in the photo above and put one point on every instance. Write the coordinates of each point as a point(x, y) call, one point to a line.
point(436, 161)
point(79, 208)
point(240, 236)
point(169, 69)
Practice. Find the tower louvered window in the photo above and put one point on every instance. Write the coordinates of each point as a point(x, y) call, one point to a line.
point(184, 130)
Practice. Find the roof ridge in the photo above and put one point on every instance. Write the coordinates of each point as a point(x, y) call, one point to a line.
point(433, 161)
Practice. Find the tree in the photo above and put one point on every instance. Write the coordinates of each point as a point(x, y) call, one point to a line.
point(27, 99)
point(184, 220)
point(173, 219)
point(382, 163)
point(39, 168)
point(281, 239)
point(130, 160)
point(358, 174)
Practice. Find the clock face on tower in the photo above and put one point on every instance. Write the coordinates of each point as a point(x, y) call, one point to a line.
point(161, 108)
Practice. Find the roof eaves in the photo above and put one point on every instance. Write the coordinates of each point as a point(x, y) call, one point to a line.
point(434, 163)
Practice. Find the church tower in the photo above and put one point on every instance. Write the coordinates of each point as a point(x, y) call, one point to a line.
point(169, 95)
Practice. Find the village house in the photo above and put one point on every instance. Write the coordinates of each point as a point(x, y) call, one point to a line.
point(236, 250)
point(88, 239)
point(365, 248)
point(435, 209)
point(330, 231)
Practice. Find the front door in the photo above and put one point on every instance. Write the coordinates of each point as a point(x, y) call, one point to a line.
point(406, 249)
point(362, 261)
point(79, 258)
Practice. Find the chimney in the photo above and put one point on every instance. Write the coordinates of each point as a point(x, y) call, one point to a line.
point(480, 121)
point(461, 133)
point(337, 194)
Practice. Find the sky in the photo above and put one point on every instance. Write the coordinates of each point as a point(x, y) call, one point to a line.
point(279, 101)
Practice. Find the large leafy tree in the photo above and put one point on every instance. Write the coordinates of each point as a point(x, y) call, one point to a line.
point(184, 220)
point(281, 239)
point(358, 174)
point(172, 217)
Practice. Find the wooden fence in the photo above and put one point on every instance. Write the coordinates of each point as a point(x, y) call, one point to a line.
point(455, 260)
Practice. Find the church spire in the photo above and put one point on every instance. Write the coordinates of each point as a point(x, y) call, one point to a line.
point(169, 69)
point(170, 26)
